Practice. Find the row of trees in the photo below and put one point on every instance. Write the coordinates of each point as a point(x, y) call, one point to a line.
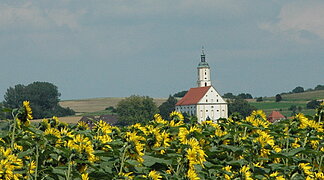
point(43, 98)
point(136, 109)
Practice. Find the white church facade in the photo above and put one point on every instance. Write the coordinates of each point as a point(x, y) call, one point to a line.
point(204, 101)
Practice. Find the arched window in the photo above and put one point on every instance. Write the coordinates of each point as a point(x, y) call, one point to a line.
point(205, 84)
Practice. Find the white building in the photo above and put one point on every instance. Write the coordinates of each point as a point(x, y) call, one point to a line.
point(203, 101)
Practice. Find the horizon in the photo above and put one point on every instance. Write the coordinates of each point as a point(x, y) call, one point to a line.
point(119, 48)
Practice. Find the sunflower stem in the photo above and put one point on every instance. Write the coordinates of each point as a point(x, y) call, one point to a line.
point(13, 131)
point(123, 158)
point(37, 156)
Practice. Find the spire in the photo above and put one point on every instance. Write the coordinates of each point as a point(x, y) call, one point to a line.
point(202, 57)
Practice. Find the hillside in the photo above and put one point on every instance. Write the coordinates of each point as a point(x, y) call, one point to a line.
point(304, 96)
point(288, 100)
point(97, 104)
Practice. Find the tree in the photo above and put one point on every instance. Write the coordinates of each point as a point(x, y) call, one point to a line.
point(180, 94)
point(293, 108)
point(298, 89)
point(229, 96)
point(43, 97)
point(240, 106)
point(319, 87)
point(135, 109)
point(259, 99)
point(278, 98)
point(313, 104)
point(167, 107)
point(245, 96)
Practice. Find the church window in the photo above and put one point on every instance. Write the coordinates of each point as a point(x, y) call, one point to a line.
point(212, 106)
point(206, 100)
point(206, 110)
point(205, 73)
point(217, 100)
point(205, 84)
point(217, 110)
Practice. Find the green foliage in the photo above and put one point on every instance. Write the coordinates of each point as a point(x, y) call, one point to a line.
point(259, 99)
point(240, 106)
point(245, 96)
point(313, 104)
point(234, 148)
point(229, 96)
point(167, 107)
point(241, 95)
point(135, 109)
point(298, 89)
point(319, 87)
point(43, 97)
point(112, 109)
point(180, 94)
point(278, 98)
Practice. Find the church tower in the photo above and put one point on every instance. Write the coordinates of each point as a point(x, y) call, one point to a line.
point(203, 71)
point(203, 101)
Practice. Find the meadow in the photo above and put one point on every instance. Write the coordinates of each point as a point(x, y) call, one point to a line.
point(298, 99)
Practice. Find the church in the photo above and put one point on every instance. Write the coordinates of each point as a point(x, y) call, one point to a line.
point(203, 101)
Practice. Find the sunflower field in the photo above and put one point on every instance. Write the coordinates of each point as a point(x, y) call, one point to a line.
point(250, 148)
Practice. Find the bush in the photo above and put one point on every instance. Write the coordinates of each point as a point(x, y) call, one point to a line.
point(298, 89)
point(111, 109)
point(313, 104)
point(278, 98)
point(259, 99)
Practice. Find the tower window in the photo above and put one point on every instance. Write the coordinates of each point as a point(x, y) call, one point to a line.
point(206, 100)
point(205, 84)
point(205, 73)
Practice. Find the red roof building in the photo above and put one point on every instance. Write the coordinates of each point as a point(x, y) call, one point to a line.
point(275, 116)
point(193, 96)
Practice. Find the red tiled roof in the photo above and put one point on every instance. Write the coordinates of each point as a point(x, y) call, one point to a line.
point(193, 96)
point(275, 115)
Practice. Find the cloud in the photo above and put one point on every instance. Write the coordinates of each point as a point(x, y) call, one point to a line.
point(25, 14)
point(29, 15)
point(301, 21)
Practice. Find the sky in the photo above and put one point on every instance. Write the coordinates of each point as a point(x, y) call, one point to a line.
point(118, 48)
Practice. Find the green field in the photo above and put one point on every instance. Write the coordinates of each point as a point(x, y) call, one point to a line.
point(297, 99)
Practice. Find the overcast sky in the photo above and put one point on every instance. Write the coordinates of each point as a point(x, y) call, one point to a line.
point(116, 48)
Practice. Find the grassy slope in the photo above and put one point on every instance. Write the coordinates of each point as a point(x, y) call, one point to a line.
point(298, 99)
point(97, 104)
point(94, 107)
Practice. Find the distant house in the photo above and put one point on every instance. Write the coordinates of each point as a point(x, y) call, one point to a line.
point(110, 119)
point(90, 120)
point(275, 116)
